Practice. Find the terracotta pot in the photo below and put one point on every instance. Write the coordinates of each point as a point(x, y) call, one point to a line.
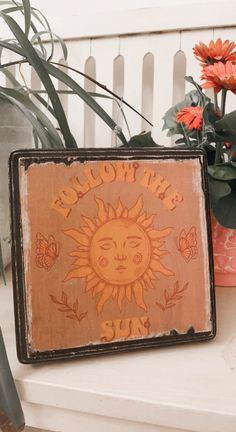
point(224, 248)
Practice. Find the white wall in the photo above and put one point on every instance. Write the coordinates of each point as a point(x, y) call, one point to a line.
point(77, 7)
point(70, 18)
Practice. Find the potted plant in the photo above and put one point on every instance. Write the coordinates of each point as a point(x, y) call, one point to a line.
point(201, 123)
point(41, 110)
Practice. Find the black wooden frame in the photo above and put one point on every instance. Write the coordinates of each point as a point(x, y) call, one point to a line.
point(28, 157)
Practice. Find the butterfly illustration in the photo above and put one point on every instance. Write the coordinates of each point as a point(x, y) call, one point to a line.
point(187, 244)
point(47, 251)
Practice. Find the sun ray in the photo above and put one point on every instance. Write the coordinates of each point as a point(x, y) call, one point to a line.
point(99, 287)
point(156, 266)
point(91, 276)
point(129, 292)
point(114, 292)
point(77, 236)
point(125, 213)
point(102, 213)
point(81, 262)
point(147, 281)
point(138, 295)
point(111, 212)
point(156, 234)
point(79, 254)
point(144, 285)
point(136, 209)
point(151, 274)
point(87, 231)
point(148, 222)
point(157, 244)
point(121, 296)
point(141, 218)
point(78, 273)
point(104, 298)
point(119, 209)
point(160, 252)
point(90, 223)
point(92, 283)
point(83, 249)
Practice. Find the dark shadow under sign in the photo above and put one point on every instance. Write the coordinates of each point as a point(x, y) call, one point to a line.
point(111, 251)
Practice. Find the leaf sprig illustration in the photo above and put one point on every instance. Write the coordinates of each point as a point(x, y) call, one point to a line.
point(171, 299)
point(72, 311)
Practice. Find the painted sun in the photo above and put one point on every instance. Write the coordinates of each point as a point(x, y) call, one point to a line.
point(118, 253)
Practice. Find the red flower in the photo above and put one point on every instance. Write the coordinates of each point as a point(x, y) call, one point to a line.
point(220, 76)
point(191, 116)
point(215, 52)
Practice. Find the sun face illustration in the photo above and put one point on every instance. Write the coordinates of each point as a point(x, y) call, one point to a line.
point(118, 253)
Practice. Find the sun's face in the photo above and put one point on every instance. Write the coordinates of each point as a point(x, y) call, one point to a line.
point(119, 253)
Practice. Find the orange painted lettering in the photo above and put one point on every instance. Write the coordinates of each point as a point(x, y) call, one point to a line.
point(172, 200)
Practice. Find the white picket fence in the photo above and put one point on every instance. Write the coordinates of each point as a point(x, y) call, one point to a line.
point(146, 70)
point(145, 67)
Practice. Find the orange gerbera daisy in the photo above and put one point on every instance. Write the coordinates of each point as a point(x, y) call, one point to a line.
point(191, 116)
point(216, 52)
point(220, 76)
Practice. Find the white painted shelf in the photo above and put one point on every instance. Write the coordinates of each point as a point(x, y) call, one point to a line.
point(185, 388)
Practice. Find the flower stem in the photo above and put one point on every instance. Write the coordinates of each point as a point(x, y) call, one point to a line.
point(223, 101)
point(199, 137)
point(217, 109)
point(218, 153)
point(185, 135)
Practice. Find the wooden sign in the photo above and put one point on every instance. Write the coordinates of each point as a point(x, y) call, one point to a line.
point(111, 251)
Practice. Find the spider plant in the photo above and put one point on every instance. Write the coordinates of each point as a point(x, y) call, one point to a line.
point(27, 47)
point(28, 28)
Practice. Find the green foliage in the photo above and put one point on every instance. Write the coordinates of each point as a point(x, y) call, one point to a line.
point(28, 45)
point(217, 137)
point(191, 99)
point(142, 140)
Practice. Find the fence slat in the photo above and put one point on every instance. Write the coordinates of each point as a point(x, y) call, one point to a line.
point(104, 51)
point(133, 49)
point(79, 52)
point(163, 47)
point(135, 79)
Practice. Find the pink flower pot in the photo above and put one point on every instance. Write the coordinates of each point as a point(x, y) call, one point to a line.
point(224, 249)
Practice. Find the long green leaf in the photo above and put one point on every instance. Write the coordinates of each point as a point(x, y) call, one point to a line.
point(102, 86)
point(44, 103)
point(20, 9)
point(43, 136)
point(27, 16)
point(47, 27)
point(13, 80)
point(39, 66)
point(63, 77)
point(12, 47)
point(44, 120)
point(119, 105)
point(54, 35)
